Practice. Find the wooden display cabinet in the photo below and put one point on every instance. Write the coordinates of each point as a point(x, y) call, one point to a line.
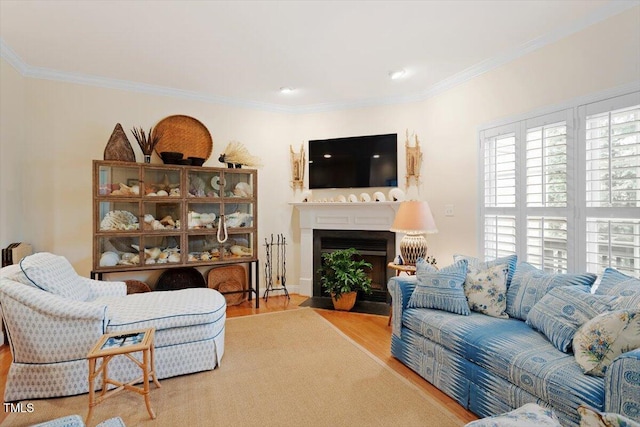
point(161, 216)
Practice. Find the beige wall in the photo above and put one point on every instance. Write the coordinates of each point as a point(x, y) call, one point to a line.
point(67, 125)
point(12, 160)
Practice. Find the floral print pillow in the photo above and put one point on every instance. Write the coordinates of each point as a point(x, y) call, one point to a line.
point(486, 290)
point(530, 414)
point(604, 338)
point(590, 417)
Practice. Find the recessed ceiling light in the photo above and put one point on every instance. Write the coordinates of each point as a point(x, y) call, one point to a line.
point(397, 74)
point(376, 156)
point(286, 90)
point(327, 156)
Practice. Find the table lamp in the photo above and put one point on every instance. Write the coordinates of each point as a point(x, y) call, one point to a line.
point(413, 218)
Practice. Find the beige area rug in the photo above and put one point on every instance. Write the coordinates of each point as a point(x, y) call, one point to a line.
point(290, 368)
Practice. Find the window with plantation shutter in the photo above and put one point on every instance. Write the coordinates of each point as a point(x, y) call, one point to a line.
point(562, 190)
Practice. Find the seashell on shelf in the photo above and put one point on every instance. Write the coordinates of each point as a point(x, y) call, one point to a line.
point(341, 199)
point(352, 198)
point(379, 196)
point(152, 253)
point(242, 189)
point(365, 197)
point(109, 259)
point(168, 220)
point(119, 220)
point(238, 219)
point(148, 218)
point(174, 257)
point(240, 250)
point(157, 225)
point(175, 192)
point(162, 193)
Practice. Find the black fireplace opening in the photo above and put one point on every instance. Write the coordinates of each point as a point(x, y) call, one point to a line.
point(375, 247)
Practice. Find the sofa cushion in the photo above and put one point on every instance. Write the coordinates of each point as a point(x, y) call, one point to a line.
point(527, 415)
point(626, 287)
point(53, 273)
point(530, 284)
point(440, 289)
point(604, 338)
point(511, 350)
point(486, 289)
point(560, 313)
point(510, 260)
point(164, 310)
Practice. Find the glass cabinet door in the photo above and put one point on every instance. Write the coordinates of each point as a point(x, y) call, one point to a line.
point(118, 216)
point(204, 183)
point(204, 248)
point(161, 216)
point(238, 215)
point(161, 182)
point(239, 246)
point(238, 184)
point(118, 252)
point(117, 180)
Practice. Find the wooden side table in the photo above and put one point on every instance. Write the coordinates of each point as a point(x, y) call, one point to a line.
point(410, 270)
point(125, 344)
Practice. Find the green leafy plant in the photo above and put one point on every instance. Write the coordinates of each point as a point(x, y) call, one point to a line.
point(342, 272)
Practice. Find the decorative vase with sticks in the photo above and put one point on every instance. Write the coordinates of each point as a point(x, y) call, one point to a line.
point(147, 142)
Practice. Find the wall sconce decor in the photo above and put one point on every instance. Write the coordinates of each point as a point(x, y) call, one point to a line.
point(298, 162)
point(414, 160)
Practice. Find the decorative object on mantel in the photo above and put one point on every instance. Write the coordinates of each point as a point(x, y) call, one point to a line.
point(236, 154)
point(379, 196)
point(298, 162)
point(146, 142)
point(118, 147)
point(365, 197)
point(413, 218)
point(306, 196)
point(183, 134)
point(352, 198)
point(396, 195)
point(414, 159)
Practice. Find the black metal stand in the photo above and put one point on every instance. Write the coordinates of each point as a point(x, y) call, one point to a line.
point(280, 249)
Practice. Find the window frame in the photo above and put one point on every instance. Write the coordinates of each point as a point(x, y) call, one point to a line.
point(576, 212)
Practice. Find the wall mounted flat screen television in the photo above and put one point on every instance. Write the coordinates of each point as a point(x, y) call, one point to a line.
point(354, 162)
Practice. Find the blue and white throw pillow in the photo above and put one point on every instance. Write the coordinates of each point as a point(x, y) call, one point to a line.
point(530, 284)
point(440, 289)
point(55, 274)
point(561, 312)
point(530, 414)
point(626, 287)
point(510, 260)
point(604, 338)
point(590, 417)
point(486, 290)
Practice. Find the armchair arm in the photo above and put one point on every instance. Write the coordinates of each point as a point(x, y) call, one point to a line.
point(622, 385)
point(102, 288)
point(46, 328)
point(400, 288)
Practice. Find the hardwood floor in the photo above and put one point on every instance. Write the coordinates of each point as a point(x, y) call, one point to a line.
point(369, 331)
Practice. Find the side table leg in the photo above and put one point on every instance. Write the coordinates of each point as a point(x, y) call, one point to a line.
point(145, 380)
point(92, 392)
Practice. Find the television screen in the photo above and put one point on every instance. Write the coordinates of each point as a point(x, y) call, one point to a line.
point(355, 162)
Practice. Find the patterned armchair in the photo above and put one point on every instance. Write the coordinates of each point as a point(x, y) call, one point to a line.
point(53, 317)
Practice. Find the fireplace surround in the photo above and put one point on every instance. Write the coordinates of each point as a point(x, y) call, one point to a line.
point(356, 217)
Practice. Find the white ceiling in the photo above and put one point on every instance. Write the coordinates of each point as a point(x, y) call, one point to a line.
point(336, 54)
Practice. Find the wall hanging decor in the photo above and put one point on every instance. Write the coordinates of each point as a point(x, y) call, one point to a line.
point(118, 147)
point(414, 159)
point(298, 161)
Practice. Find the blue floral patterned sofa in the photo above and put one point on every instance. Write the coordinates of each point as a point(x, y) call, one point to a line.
point(494, 336)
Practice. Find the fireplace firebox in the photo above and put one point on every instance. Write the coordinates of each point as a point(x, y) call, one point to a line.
point(375, 247)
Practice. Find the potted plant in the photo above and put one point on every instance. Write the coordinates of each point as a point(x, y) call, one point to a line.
point(343, 274)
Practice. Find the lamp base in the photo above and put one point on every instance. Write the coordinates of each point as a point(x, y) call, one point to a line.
point(412, 247)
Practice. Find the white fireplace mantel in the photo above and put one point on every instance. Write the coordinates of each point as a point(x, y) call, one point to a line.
point(369, 216)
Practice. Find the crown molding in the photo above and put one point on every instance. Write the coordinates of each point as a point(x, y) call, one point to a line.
point(610, 9)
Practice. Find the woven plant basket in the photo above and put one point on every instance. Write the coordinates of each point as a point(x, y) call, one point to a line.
point(346, 301)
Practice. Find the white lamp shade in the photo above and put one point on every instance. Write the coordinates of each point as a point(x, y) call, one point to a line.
point(414, 217)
